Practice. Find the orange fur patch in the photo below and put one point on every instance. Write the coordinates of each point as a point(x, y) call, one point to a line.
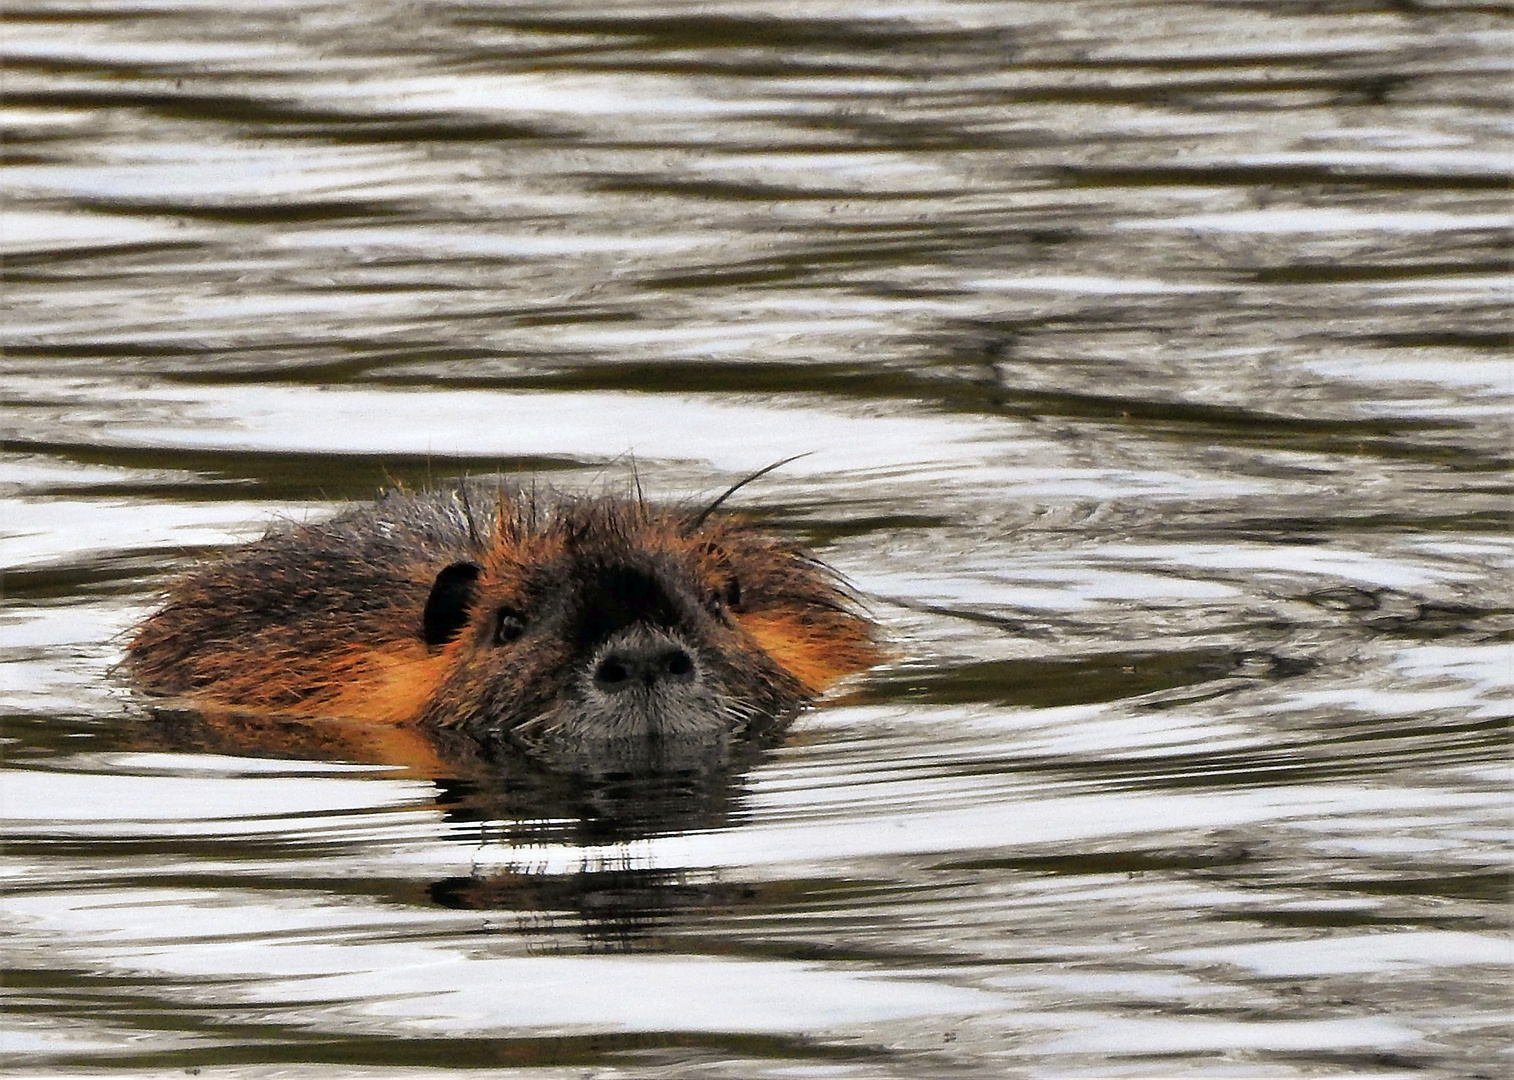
point(815, 655)
point(384, 687)
point(361, 712)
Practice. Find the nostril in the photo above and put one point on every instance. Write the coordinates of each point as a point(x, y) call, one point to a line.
point(611, 672)
point(679, 664)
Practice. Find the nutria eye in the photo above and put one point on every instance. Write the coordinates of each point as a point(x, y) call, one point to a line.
point(727, 597)
point(509, 627)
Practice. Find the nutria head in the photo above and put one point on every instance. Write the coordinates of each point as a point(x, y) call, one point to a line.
point(611, 622)
point(578, 628)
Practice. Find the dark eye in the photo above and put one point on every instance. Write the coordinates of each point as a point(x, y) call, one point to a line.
point(508, 626)
point(727, 596)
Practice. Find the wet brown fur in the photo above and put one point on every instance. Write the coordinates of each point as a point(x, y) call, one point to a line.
point(325, 620)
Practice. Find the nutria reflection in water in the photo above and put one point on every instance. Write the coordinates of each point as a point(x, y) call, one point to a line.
point(588, 632)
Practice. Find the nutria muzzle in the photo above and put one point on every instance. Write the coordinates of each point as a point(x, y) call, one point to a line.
point(641, 660)
point(640, 684)
point(647, 682)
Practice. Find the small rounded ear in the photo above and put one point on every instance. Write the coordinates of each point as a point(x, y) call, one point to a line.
point(448, 605)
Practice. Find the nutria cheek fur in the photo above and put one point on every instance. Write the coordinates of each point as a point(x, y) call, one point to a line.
point(549, 623)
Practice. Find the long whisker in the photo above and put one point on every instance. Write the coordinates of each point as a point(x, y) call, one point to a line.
point(738, 485)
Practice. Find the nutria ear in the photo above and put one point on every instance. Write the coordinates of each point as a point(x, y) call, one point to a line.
point(447, 607)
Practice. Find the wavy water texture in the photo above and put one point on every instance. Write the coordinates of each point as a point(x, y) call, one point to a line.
point(1151, 362)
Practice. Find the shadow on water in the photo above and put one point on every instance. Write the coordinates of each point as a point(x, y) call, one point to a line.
point(613, 908)
point(1053, 683)
point(500, 797)
point(599, 795)
point(231, 1043)
point(213, 474)
point(616, 910)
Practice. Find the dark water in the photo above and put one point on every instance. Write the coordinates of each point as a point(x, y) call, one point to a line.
point(1152, 358)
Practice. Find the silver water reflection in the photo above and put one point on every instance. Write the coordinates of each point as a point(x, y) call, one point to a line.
point(1152, 361)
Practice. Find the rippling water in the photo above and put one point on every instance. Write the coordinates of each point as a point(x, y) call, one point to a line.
point(1152, 364)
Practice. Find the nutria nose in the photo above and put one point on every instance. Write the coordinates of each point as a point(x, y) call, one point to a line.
point(643, 659)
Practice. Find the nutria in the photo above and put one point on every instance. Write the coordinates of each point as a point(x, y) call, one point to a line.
point(547, 622)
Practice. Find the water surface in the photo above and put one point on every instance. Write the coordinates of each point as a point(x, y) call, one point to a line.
point(1152, 365)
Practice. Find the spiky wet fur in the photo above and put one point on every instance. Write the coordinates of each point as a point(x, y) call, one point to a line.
point(326, 619)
